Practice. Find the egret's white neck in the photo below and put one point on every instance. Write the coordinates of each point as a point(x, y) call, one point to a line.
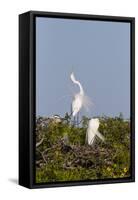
point(78, 83)
point(80, 86)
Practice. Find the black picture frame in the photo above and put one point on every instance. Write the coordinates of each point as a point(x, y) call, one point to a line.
point(27, 97)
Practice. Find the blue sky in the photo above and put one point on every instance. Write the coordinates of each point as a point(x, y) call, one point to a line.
point(98, 53)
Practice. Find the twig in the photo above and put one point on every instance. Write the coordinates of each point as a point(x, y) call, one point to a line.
point(40, 142)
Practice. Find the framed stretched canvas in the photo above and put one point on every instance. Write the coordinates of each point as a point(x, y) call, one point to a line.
point(76, 99)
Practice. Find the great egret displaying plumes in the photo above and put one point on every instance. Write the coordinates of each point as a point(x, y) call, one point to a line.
point(92, 131)
point(80, 99)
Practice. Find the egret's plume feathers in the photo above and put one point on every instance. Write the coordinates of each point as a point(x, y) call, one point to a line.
point(100, 136)
point(87, 103)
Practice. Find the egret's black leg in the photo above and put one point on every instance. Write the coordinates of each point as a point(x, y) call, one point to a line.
point(78, 119)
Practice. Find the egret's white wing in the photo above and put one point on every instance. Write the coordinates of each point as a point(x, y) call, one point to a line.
point(90, 136)
point(92, 131)
point(76, 105)
point(94, 124)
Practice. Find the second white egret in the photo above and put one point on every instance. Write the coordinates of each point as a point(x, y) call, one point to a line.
point(92, 131)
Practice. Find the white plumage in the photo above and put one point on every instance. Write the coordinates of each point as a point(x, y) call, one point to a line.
point(77, 104)
point(92, 131)
point(80, 99)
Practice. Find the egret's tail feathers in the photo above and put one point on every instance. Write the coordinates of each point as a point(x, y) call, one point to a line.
point(100, 136)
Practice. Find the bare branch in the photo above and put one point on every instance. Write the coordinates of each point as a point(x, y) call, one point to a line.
point(40, 142)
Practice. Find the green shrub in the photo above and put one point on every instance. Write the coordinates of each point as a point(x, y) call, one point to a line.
point(64, 156)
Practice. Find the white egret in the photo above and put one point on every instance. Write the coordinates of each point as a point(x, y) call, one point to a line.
point(80, 99)
point(92, 131)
